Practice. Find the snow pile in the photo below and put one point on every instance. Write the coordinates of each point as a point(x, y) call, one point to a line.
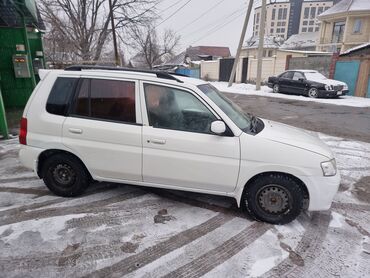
point(249, 89)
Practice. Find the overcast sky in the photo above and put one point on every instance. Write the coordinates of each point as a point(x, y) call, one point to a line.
point(220, 26)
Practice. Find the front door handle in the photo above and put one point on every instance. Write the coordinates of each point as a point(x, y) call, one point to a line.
point(75, 130)
point(157, 141)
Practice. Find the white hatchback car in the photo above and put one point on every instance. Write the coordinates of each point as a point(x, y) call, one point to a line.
point(162, 130)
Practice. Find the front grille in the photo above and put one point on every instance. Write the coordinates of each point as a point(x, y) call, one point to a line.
point(338, 88)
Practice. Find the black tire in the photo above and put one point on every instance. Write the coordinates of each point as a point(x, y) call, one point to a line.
point(65, 175)
point(276, 88)
point(288, 193)
point(313, 92)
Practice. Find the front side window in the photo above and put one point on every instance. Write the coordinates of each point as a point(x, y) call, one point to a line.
point(60, 95)
point(297, 75)
point(234, 112)
point(111, 100)
point(175, 109)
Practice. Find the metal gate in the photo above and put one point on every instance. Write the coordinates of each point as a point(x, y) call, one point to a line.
point(226, 66)
point(347, 71)
point(245, 70)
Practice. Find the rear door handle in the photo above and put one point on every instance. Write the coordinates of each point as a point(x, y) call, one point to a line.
point(75, 130)
point(157, 141)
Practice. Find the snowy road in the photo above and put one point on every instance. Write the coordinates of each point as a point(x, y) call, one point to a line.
point(130, 231)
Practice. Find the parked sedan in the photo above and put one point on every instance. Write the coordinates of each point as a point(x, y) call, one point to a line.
point(309, 83)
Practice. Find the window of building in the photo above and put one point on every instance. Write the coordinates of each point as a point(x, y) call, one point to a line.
point(313, 12)
point(280, 14)
point(305, 22)
point(110, 100)
point(320, 10)
point(304, 29)
point(60, 95)
point(312, 22)
point(310, 29)
point(357, 26)
point(285, 12)
point(277, 30)
point(306, 13)
point(317, 29)
point(279, 23)
point(273, 14)
point(272, 24)
point(257, 18)
point(283, 23)
point(326, 8)
point(271, 30)
point(175, 109)
point(282, 30)
point(338, 32)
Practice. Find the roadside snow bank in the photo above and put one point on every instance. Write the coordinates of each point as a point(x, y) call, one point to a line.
point(250, 89)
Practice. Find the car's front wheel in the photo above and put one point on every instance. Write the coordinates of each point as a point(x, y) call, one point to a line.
point(273, 198)
point(276, 88)
point(65, 175)
point(313, 93)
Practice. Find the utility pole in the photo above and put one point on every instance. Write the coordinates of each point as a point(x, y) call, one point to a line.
point(260, 45)
point(114, 34)
point(242, 37)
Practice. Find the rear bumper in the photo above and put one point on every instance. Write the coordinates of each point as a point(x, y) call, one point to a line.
point(29, 157)
point(321, 191)
point(270, 85)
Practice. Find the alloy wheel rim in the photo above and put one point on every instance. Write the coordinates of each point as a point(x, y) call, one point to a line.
point(276, 89)
point(312, 93)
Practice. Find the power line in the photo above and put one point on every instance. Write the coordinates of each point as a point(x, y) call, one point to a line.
point(218, 27)
point(213, 7)
point(170, 6)
point(175, 12)
point(212, 24)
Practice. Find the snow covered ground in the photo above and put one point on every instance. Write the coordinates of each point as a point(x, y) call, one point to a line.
point(250, 89)
point(121, 230)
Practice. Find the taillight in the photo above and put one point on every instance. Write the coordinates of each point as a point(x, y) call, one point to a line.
point(23, 132)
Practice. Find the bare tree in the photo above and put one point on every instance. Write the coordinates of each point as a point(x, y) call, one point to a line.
point(152, 49)
point(84, 24)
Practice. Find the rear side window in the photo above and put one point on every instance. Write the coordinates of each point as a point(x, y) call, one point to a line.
point(60, 95)
point(287, 75)
point(107, 100)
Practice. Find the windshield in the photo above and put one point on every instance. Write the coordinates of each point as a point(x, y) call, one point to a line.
point(314, 76)
point(234, 112)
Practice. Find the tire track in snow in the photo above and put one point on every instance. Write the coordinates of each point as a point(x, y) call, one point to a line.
point(10, 180)
point(308, 248)
point(222, 253)
point(95, 206)
point(152, 253)
point(349, 206)
point(39, 191)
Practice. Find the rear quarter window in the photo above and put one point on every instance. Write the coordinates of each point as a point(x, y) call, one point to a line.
point(60, 95)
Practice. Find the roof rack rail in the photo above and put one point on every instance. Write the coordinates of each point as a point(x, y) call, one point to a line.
point(160, 74)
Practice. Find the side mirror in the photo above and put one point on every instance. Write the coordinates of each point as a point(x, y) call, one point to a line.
point(218, 127)
point(301, 79)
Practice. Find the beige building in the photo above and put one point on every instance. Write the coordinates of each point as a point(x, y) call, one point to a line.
point(287, 18)
point(277, 20)
point(310, 11)
point(345, 25)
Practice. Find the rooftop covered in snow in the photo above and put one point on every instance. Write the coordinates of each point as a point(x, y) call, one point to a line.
point(301, 41)
point(347, 6)
point(356, 48)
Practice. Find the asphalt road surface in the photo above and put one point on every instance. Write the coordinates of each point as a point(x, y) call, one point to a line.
point(335, 120)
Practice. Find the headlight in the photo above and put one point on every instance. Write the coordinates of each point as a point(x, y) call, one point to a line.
point(329, 168)
point(345, 87)
point(328, 87)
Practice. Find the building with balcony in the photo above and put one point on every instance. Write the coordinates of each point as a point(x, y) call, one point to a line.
point(344, 26)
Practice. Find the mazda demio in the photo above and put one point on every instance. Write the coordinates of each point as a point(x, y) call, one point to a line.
point(156, 129)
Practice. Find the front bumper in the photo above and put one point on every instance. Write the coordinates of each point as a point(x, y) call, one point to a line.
point(321, 191)
point(325, 93)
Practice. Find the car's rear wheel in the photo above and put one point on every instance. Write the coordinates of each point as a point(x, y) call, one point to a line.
point(313, 93)
point(276, 88)
point(65, 175)
point(273, 198)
